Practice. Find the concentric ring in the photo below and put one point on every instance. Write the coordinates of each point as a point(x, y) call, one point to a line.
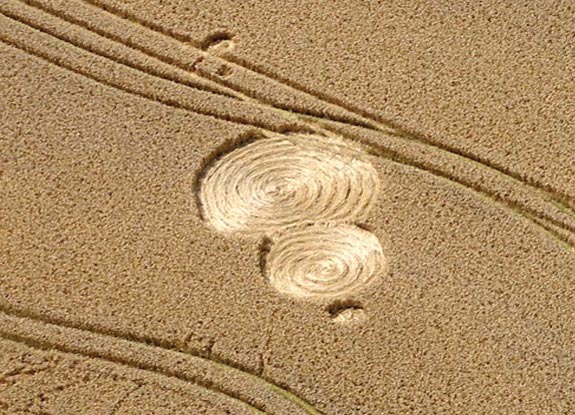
point(324, 261)
point(286, 180)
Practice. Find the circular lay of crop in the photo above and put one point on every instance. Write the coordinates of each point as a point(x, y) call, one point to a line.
point(284, 180)
point(324, 261)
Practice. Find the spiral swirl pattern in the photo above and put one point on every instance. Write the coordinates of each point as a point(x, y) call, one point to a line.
point(324, 261)
point(284, 180)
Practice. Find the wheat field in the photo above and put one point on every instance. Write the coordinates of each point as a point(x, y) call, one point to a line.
point(287, 207)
